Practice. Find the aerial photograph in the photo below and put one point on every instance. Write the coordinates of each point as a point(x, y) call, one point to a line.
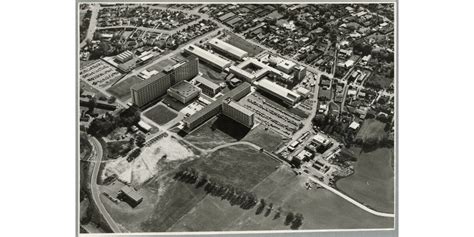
point(236, 117)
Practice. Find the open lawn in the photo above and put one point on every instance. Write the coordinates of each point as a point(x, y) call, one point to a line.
point(371, 129)
point(321, 209)
point(240, 166)
point(121, 90)
point(160, 114)
point(267, 139)
point(372, 182)
point(160, 65)
point(217, 131)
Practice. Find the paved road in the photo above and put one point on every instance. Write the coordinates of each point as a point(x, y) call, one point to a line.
point(233, 144)
point(92, 24)
point(349, 199)
point(95, 188)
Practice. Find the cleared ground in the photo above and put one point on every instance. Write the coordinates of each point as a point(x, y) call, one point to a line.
point(160, 114)
point(121, 90)
point(373, 180)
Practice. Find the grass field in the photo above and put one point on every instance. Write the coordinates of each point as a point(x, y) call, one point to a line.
point(121, 90)
point(321, 209)
point(217, 131)
point(160, 65)
point(160, 114)
point(371, 128)
point(240, 166)
point(267, 139)
point(372, 182)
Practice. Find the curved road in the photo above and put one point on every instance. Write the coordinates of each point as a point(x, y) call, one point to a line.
point(233, 144)
point(349, 199)
point(95, 189)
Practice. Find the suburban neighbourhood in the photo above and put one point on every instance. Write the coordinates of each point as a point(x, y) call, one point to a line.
point(236, 117)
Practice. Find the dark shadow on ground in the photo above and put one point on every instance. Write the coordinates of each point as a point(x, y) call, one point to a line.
point(230, 127)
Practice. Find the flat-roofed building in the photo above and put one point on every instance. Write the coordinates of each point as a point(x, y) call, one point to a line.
point(124, 57)
point(242, 74)
point(147, 91)
point(238, 113)
point(321, 139)
point(299, 72)
point(184, 91)
point(207, 57)
point(157, 84)
point(286, 66)
point(183, 71)
point(227, 49)
point(130, 195)
point(257, 71)
point(215, 107)
point(287, 96)
point(207, 87)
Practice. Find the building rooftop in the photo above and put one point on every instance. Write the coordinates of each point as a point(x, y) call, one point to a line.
point(147, 82)
point(130, 192)
point(277, 89)
point(218, 102)
point(197, 51)
point(184, 88)
point(239, 107)
point(207, 83)
point(224, 46)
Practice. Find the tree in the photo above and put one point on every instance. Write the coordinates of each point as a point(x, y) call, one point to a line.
point(140, 141)
point(277, 213)
point(289, 218)
point(297, 222)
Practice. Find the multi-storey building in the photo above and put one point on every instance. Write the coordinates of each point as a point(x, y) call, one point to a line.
point(156, 86)
point(238, 113)
point(148, 90)
point(184, 92)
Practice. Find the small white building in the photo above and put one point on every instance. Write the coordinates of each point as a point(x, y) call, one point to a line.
point(354, 125)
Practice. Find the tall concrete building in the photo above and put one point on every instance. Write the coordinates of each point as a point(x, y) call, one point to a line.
point(215, 107)
point(150, 89)
point(238, 113)
point(183, 71)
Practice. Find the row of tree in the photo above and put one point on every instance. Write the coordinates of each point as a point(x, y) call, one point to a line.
point(235, 196)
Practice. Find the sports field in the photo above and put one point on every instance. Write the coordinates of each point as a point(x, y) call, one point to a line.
point(160, 114)
point(121, 90)
point(372, 182)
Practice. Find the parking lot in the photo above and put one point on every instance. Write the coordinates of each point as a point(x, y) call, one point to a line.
point(272, 115)
point(99, 73)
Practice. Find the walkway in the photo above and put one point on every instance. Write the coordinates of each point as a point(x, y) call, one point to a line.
point(349, 199)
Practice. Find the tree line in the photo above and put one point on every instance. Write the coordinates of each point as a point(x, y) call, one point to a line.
point(236, 196)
